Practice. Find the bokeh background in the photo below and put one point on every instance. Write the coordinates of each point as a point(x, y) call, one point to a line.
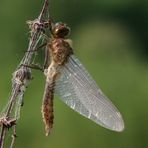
point(110, 37)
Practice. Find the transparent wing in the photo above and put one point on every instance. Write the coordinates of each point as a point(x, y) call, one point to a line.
point(79, 91)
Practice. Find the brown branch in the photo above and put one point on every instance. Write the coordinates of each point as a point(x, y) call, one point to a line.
point(22, 74)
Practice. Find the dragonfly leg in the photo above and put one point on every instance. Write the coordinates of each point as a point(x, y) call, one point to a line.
point(37, 49)
point(46, 37)
point(34, 66)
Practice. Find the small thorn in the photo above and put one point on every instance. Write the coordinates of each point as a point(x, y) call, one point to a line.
point(7, 122)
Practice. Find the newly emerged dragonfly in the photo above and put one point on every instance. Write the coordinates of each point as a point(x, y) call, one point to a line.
point(66, 76)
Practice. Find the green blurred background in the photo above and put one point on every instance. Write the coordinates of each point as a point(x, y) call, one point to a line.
point(110, 38)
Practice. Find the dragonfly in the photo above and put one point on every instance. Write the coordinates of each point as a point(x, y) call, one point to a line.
point(68, 78)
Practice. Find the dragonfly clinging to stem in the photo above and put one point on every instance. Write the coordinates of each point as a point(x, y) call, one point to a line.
point(67, 77)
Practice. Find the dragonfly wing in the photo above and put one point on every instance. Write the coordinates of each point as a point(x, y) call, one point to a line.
point(79, 91)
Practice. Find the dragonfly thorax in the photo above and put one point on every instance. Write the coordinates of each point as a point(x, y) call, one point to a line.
point(60, 50)
point(60, 30)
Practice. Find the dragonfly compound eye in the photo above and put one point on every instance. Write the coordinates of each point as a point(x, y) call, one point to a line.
point(60, 30)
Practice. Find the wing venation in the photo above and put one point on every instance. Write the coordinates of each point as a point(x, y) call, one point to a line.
point(79, 91)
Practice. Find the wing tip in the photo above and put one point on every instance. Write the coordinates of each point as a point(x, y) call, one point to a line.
point(120, 126)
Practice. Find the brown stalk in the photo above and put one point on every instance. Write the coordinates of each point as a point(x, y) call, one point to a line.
point(22, 73)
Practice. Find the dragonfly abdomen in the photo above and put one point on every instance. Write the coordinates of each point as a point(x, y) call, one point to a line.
point(47, 105)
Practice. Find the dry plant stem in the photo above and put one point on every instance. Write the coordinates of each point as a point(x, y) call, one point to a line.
point(22, 73)
point(3, 133)
point(13, 137)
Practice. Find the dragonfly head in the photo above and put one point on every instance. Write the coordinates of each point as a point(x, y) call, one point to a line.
point(60, 30)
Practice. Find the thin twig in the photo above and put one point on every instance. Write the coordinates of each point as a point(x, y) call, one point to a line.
point(2, 136)
point(13, 137)
point(22, 74)
point(44, 10)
